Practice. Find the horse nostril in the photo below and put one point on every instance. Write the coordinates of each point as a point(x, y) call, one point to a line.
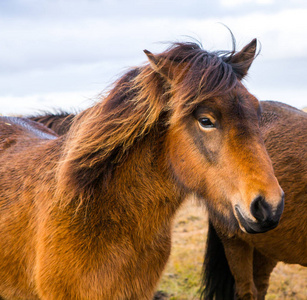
point(267, 217)
point(260, 209)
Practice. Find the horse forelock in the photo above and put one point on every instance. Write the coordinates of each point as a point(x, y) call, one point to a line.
point(196, 75)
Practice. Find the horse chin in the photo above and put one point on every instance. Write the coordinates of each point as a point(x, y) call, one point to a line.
point(249, 226)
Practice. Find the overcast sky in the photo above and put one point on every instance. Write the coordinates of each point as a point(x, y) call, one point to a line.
point(63, 53)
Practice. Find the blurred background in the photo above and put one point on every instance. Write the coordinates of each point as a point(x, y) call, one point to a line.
point(63, 53)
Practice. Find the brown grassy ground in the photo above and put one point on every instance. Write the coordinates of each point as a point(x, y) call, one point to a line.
point(182, 274)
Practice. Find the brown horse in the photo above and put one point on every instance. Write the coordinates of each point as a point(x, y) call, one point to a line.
point(88, 215)
point(234, 257)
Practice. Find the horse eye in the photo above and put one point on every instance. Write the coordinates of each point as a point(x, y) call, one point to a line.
point(205, 123)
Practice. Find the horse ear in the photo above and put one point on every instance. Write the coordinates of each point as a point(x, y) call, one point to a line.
point(152, 60)
point(242, 60)
point(159, 65)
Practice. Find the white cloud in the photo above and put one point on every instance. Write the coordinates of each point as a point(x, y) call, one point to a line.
point(75, 46)
point(282, 34)
point(37, 103)
point(42, 44)
point(234, 3)
point(293, 97)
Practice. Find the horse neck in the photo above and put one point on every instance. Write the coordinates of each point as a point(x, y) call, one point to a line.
point(144, 184)
point(115, 158)
point(140, 193)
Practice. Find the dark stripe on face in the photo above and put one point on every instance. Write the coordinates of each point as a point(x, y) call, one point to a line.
point(199, 139)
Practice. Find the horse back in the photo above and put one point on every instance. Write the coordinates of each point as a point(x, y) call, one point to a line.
point(284, 130)
point(274, 114)
point(14, 129)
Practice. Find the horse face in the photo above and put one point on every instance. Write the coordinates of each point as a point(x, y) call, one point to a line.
point(218, 152)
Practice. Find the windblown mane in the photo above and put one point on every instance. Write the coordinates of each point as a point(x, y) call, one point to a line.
point(101, 136)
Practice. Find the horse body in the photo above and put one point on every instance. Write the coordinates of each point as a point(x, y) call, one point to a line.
point(88, 215)
point(251, 258)
point(60, 251)
point(285, 138)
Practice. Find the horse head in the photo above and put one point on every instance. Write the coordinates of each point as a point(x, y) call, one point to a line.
point(215, 148)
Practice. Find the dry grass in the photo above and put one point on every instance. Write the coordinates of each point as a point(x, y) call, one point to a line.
point(182, 275)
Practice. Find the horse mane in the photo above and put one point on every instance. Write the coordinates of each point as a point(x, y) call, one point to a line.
point(217, 281)
point(102, 136)
point(57, 120)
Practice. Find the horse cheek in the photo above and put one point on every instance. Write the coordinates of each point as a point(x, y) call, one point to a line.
point(186, 163)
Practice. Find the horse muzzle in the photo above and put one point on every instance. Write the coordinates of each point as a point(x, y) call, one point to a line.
point(266, 218)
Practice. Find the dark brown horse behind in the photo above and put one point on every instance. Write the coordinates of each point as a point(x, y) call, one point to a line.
point(234, 257)
point(88, 215)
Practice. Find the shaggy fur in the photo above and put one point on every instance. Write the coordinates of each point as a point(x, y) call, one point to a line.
point(88, 215)
point(251, 258)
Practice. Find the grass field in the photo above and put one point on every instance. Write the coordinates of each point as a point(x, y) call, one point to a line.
point(182, 274)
